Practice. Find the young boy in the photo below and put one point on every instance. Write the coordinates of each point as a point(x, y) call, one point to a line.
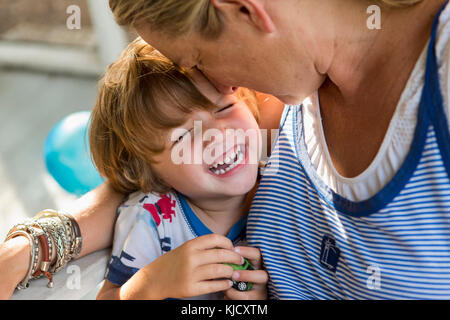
point(189, 157)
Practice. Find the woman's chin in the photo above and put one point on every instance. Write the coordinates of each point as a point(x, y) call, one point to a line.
point(290, 100)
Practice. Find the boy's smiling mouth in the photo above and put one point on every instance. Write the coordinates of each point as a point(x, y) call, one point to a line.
point(225, 164)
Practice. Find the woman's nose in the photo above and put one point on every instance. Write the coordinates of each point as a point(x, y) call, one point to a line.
point(223, 89)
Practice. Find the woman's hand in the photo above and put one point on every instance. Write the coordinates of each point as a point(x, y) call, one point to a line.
point(258, 277)
point(195, 268)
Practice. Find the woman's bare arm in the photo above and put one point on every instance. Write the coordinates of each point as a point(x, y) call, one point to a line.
point(95, 213)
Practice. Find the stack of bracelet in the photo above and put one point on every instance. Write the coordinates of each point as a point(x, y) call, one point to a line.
point(49, 230)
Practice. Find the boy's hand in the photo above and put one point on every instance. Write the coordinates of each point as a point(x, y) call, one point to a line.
point(194, 268)
point(258, 277)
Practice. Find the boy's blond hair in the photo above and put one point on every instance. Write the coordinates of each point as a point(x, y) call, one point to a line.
point(141, 96)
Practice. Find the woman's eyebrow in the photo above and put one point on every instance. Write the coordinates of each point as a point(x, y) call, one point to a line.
point(178, 62)
point(177, 66)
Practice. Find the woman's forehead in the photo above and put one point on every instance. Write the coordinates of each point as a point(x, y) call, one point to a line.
point(178, 49)
point(183, 51)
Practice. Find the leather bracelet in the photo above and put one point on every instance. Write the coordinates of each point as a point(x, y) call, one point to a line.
point(45, 264)
point(48, 225)
point(64, 231)
point(47, 250)
point(49, 241)
point(62, 243)
point(75, 235)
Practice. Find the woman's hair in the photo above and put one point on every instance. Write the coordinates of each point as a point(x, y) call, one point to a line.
point(179, 17)
point(173, 17)
point(141, 96)
point(399, 3)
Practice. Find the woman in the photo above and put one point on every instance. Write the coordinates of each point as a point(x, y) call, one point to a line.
point(374, 225)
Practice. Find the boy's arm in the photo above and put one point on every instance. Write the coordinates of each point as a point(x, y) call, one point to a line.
point(95, 213)
point(136, 288)
point(109, 291)
point(195, 268)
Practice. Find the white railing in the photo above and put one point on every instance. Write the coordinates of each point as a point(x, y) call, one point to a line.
point(80, 279)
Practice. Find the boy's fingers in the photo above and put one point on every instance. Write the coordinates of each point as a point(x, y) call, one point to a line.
point(255, 276)
point(213, 271)
point(220, 256)
point(211, 241)
point(252, 254)
point(210, 286)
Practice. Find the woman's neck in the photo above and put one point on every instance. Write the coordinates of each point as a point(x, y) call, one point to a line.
point(367, 73)
point(335, 40)
point(364, 59)
point(220, 214)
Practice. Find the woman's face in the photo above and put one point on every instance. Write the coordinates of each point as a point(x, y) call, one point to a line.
point(242, 59)
point(213, 154)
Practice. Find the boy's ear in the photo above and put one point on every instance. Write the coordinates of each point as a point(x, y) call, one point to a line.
point(251, 10)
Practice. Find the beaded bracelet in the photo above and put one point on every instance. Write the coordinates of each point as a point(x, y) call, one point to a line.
point(48, 237)
point(53, 231)
point(62, 245)
point(34, 254)
point(77, 239)
point(71, 224)
point(47, 252)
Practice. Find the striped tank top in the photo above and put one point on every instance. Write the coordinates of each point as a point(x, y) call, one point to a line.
point(317, 244)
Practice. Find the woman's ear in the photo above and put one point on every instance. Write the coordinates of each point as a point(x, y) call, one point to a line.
point(251, 10)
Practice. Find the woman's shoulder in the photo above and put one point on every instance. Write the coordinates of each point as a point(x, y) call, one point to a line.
point(443, 56)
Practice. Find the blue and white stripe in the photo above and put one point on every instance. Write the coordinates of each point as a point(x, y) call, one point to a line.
point(398, 240)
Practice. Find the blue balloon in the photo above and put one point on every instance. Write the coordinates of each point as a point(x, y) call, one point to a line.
point(67, 155)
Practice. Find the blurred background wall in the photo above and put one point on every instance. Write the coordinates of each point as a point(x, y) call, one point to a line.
point(48, 70)
point(44, 21)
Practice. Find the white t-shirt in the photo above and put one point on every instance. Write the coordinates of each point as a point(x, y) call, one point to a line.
point(150, 225)
point(398, 138)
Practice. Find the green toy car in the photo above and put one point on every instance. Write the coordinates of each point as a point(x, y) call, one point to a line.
point(241, 285)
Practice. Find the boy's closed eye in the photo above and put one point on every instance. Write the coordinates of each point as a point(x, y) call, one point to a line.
point(180, 134)
point(226, 107)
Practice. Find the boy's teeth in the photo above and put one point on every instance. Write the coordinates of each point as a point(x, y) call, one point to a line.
point(232, 161)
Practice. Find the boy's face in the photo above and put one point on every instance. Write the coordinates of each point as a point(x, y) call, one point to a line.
point(213, 154)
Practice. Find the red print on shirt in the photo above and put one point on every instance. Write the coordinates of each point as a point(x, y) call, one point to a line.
point(164, 207)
